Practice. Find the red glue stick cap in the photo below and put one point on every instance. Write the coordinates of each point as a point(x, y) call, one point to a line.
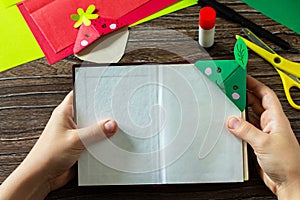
point(207, 18)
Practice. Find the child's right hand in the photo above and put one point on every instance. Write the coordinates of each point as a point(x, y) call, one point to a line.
point(273, 140)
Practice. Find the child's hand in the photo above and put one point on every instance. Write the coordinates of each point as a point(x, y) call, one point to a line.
point(48, 166)
point(272, 139)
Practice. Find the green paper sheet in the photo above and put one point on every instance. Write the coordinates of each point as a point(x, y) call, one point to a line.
point(284, 12)
point(18, 45)
point(174, 7)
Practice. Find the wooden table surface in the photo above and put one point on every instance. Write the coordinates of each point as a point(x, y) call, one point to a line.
point(30, 92)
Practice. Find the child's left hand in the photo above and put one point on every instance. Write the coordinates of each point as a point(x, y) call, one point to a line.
point(48, 166)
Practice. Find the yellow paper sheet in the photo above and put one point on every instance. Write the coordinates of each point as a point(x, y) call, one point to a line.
point(8, 3)
point(174, 7)
point(18, 45)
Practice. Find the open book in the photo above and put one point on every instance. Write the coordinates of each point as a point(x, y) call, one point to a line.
point(171, 121)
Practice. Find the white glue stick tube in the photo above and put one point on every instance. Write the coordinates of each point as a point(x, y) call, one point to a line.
point(207, 22)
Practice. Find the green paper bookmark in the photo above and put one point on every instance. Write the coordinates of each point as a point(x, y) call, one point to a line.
point(229, 75)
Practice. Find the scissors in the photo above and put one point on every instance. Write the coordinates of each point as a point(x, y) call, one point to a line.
point(288, 71)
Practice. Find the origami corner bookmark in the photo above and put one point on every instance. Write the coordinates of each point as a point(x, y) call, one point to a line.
point(229, 75)
point(53, 28)
point(99, 27)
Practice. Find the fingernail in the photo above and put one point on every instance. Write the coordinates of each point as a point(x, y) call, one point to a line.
point(233, 123)
point(110, 127)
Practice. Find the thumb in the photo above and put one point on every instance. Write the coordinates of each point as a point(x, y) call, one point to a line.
point(97, 132)
point(246, 131)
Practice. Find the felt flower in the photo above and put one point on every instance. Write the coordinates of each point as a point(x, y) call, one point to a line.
point(84, 17)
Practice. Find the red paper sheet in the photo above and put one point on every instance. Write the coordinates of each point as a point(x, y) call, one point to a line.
point(51, 56)
point(53, 17)
point(147, 9)
point(53, 28)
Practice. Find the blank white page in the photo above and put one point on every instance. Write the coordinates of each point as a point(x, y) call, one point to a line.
point(171, 126)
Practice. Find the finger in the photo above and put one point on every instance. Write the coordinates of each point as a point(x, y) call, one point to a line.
point(267, 96)
point(269, 100)
point(68, 100)
point(246, 131)
point(64, 113)
point(254, 103)
point(65, 108)
point(97, 132)
point(274, 122)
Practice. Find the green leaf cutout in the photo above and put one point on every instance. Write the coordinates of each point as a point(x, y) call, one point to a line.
point(241, 53)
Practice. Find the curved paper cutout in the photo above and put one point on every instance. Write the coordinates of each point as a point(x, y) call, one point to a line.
point(107, 49)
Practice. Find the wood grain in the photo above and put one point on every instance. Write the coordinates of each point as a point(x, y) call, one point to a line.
point(30, 92)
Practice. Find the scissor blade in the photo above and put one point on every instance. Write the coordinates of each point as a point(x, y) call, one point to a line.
point(252, 37)
point(291, 76)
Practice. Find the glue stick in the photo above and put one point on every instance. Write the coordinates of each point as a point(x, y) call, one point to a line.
point(207, 22)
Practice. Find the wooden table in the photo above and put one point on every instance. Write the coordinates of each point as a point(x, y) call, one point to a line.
point(30, 92)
